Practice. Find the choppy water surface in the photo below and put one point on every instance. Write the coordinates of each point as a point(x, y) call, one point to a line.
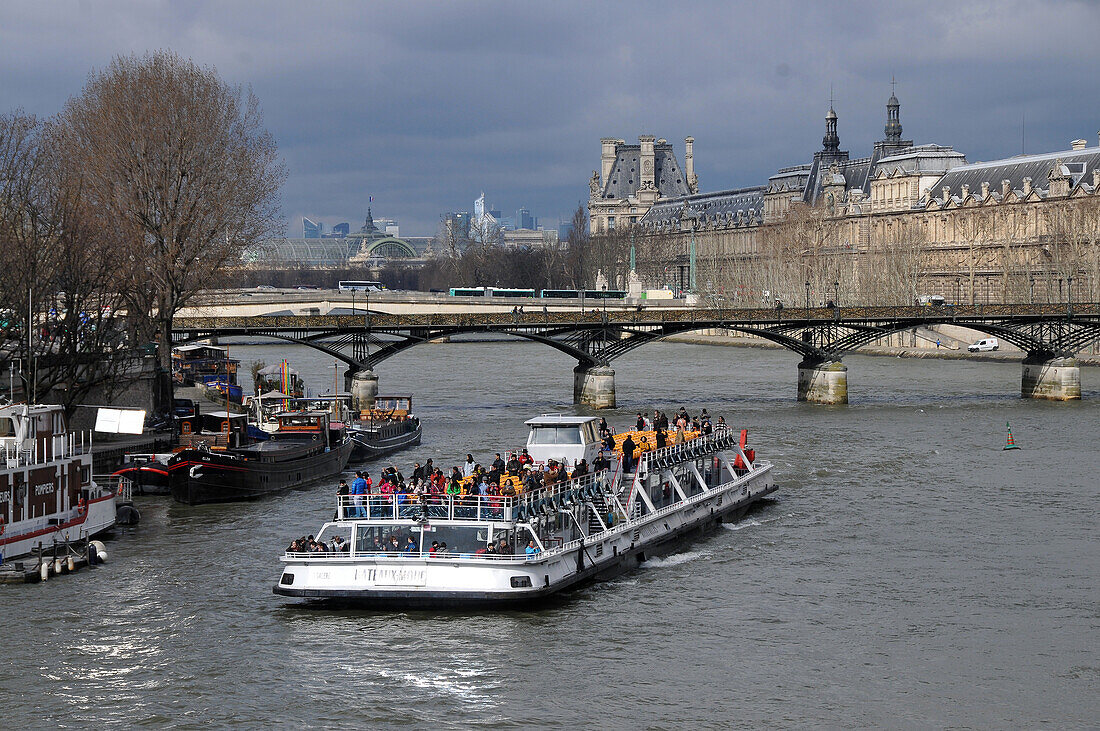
point(909, 573)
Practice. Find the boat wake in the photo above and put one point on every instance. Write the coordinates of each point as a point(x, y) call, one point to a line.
point(742, 524)
point(673, 560)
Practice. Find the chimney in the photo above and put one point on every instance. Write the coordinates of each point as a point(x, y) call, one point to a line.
point(689, 160)
point(985, 190)
point(966, 191)
point(946, 194)
point(1005, 187)
point(607, 159)
point(1095, 178)
point(646, 159)
point(1078, 144)
point(1027, 186)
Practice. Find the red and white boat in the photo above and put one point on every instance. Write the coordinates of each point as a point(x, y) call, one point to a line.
point(47, 492)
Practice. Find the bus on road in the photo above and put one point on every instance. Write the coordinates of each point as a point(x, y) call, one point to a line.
point(352, 285)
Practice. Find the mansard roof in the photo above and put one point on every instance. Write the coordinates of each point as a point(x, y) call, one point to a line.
point(923, 159)
point(625, 177)
point(1079, 165)
point(725, 204)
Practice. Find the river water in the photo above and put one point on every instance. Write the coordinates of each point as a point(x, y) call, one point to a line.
point(908, 573)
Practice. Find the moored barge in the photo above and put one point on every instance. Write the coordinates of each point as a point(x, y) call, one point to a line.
point(307, 446)
point(47, 494)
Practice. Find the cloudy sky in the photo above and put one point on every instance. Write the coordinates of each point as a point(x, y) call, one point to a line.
point(424, 104)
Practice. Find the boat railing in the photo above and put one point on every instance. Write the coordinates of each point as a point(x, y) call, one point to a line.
point(33, 451)
point(407, 506)
point(545, 500)
point(120, 485)
point(437, 556)
point(721, 438)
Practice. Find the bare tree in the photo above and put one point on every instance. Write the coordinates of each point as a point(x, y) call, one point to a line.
point(179, 162)
point(58, 272)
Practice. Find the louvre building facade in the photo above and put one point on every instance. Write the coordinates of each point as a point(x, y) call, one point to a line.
point(906, 220)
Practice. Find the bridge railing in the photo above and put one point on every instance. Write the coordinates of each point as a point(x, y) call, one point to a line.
point(645, 316)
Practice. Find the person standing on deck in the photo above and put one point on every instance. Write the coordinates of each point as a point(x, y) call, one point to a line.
point(358, 490)
point(628, 454)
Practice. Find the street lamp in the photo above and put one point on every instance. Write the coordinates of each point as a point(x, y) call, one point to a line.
point(807, 298)
point(1031, 289)
point(1069, 293)
point(836, 293)
point(958, 290)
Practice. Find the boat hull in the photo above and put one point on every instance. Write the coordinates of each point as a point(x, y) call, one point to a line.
point(599, 560)
point(199, 477)
point(368, 446)
point(96, 520)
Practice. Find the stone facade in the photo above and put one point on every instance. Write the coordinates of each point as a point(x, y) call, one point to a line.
point(632, 178)
point(1024, 228)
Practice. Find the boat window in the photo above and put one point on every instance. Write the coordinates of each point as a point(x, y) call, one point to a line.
point(331, 531)
point(460, 539)
point(376, 538)
point(555, 435)
point(7, 426)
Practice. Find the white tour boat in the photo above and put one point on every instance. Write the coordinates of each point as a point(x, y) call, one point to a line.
point(47, 493)
point(587, 528)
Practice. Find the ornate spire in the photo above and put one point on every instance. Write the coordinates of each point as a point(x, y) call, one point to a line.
point(831, 140)
point(893, 116)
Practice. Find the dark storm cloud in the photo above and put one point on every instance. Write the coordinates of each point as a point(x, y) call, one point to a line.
point(423, 105)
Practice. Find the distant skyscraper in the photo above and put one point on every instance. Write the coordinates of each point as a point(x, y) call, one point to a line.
point(342, 229)
point(524, 220)
point(312, 230)
point(457, 223)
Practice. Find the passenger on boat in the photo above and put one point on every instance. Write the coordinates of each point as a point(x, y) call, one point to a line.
point(604, 428)
point(469, 466)
point(628, 454)
point(580, 470)
point(339, 544)
point(601, 462)
point(503, 548)
point(513, 465)
point(442, 547)
point(525, 458)
point(531, 549)
point(434, 549)
point(360, 486)
point(418, 472)
point(660, 438)
point(639, 425)
point(609, 442)
point(498, 463)
point(410, 545)
point(395, 545)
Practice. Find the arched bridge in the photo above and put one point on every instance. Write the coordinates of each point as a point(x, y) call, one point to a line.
point(1050, 335)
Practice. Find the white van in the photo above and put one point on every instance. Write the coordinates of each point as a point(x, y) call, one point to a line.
point(984, 344)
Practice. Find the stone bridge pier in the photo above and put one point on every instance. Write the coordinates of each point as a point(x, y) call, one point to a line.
point(1051, 377)
point(363, 386)
point(823, 381)
point(594, 386)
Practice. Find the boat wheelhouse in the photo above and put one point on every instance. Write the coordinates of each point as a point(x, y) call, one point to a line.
point(47, 493)
point(204, 364)
point(505, 549)
point(386, 428)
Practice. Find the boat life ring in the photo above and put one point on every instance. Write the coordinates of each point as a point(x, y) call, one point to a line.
point(1, 525)
point(81, 506)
